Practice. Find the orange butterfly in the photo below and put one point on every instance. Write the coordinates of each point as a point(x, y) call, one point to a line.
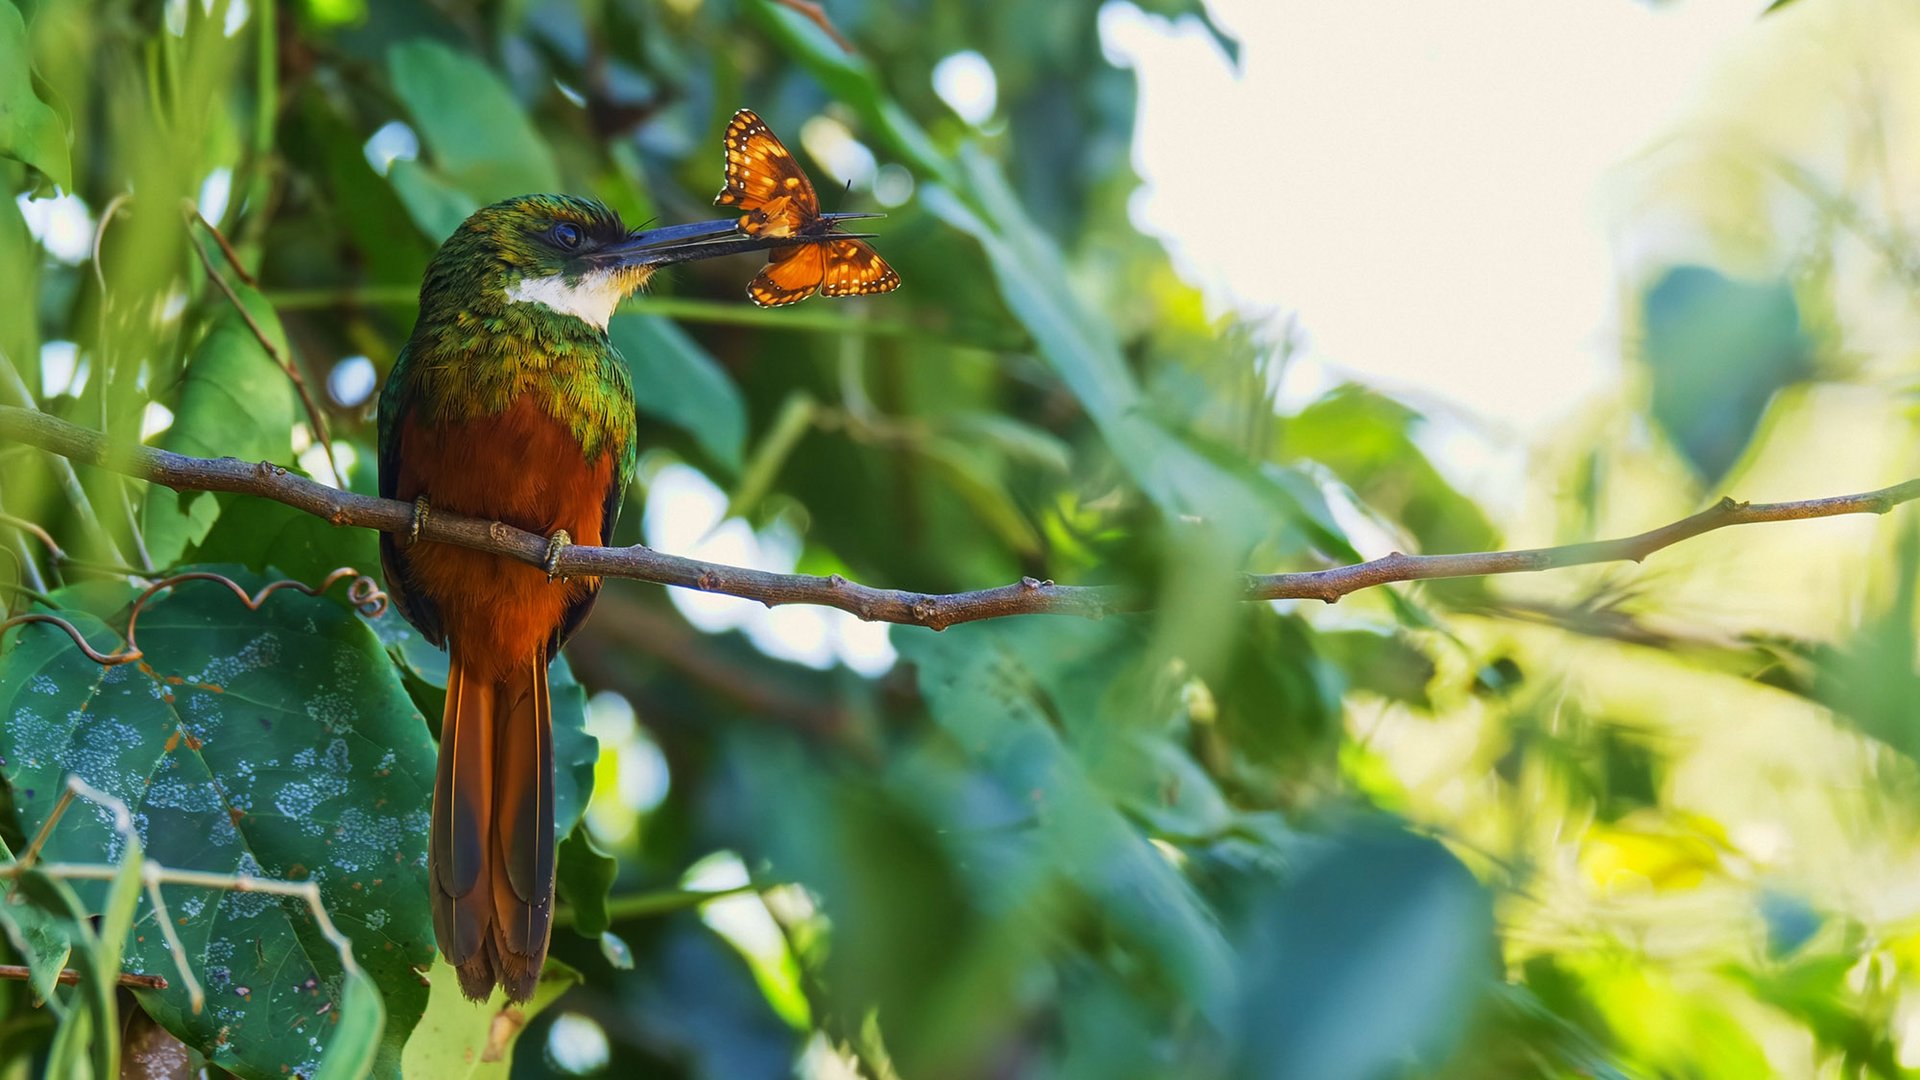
point(764, 180)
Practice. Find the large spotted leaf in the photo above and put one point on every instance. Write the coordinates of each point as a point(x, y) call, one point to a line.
point(279, 743)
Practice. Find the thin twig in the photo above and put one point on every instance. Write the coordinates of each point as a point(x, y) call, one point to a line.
point(54, 551)
point(226, 247)
point(363, 593)
point(314, 415)
point(99, 236)
point(30, 577)
point(1026, 597)
point(15, 394)
point(40, 838)
point(196, 996)
point(133, 529)
point(33, 594)
point(70, 977)
point(651, 904)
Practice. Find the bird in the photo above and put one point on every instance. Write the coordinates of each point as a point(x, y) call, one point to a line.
point(765, 181)
point(509, 402)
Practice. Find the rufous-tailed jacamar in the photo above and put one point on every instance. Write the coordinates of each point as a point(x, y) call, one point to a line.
point(509, 402)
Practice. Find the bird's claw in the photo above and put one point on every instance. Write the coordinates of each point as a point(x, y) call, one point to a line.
point(556, 544)
point(419, 520)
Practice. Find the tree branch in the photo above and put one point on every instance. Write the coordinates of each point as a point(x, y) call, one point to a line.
point(70, 977)
point(1026, 597)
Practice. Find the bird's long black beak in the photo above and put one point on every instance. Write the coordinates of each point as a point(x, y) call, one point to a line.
point(708, 239)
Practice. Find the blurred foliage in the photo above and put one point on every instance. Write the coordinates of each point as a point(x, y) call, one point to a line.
point(1716, 352)
point(1613, 822)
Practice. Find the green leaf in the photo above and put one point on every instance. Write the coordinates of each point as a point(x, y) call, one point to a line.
point(1079, 346)
point(1718, 350)
point(276, 743)
point(436, 206)
point(460, 1040)
point(19, 278)
point(585, 876)
point(1367, 961)
point(1871, 679)
point(1076, 342)
point(234, 401)
point(973, 479)
point(999, 689)
point(276, 539)
point(770, 455)
point(574, 751)
point(35, 934)
point(1388, 664)
point(94, 1006)
point(851, 79)
point(116, 920)
point(480, 138)
point(30, 130)
point(674, 380)
point(354, 1049)
point(1018, 442)
point(1367, 440)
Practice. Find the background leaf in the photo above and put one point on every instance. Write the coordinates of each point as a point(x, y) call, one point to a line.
point(674, 380)
point(275, 743)
point(1717, 351)
point(30, 131)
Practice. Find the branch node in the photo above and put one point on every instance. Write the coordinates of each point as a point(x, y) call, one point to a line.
point(835, 581)
point(709, 581)
point(1031, 584)
point(926, 610)
point(499, 532)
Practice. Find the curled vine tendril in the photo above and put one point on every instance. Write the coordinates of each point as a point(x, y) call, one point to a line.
point(363, 593)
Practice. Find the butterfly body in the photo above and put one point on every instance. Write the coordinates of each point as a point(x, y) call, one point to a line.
point(778, 218)
point(778, 201)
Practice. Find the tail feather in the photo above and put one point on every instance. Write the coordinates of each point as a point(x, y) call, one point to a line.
point(462, 810)
point(493, 842)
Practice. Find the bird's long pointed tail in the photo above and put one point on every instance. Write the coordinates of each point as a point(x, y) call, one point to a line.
point(492, 847)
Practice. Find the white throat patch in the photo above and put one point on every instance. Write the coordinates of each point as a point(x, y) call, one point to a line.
point(591, 299)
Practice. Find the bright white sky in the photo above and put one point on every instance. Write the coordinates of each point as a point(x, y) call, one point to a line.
point(1421, 184)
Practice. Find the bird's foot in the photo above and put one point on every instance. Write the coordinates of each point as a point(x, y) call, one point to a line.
point(557, 543)
point(419, 520)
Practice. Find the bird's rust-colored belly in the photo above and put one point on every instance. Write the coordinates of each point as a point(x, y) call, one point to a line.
point(526, 469)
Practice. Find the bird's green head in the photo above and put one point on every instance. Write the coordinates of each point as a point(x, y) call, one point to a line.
point(563, 255)
point(535, 249)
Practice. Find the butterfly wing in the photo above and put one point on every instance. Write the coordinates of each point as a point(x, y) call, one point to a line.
point(761, 170)
point(790, 276)
point(853, 268)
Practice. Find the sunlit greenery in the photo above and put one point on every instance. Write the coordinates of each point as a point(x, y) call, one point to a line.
point(1624, 820)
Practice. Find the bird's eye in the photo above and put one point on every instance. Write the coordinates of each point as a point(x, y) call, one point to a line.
point(567, 236)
